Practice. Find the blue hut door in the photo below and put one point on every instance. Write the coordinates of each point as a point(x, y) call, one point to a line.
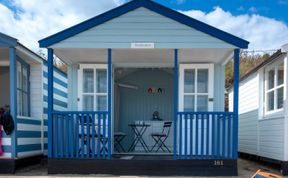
point(92, 92)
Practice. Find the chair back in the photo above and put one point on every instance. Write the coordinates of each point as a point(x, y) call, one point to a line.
point(166, 128)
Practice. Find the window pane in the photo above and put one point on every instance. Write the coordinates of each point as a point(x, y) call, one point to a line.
point(88, 103)
point(202, 103)
point(270, 101)
point(19, 75)
point(271, 74)
point(202, 85)
point(101, 83)
point(189, 103)
point(19, 103)
point(101, 103)
point(25, 105)
point(189, 80)
point(25, 79)
point(280, 98)
point(88, 80)
point(280, 78)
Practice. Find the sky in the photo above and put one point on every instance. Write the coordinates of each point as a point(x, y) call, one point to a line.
point(264, 23)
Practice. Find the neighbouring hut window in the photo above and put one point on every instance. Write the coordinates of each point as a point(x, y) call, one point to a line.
point(274, 89)
point(22, 89)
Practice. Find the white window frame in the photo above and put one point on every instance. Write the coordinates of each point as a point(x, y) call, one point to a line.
point(210, 68)
point(80, 84)
point(273, 66)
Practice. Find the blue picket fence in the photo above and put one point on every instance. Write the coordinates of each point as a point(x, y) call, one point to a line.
point(206, 135)
point(81, 135)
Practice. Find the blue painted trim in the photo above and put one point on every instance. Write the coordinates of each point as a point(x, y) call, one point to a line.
point(56, 102)
point(13, 97)
point(218, 137)
point(30, 147)
point(223, 136)
point(56, 80)
point(197, 136)
point(56, 91)
point(235, 102)
point(229, 139)
point(175, 103)
point(7, 149)
point(28, 121)
point(66, 117)
point(7, 41)
point(29, 134)
point(191, 136)
point(55, 135)
point(207, 136)
point(202, 136)
point(50, 100)
point(56, 69)
point(72, 136)
point(193, 23)
point(186, 137)
point(213, 136)
point(109, 70)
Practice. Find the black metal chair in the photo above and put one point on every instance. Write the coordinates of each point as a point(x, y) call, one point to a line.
point(161, 137)
point(118, 137)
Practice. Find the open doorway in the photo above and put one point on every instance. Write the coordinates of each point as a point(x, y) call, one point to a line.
point(143, 96)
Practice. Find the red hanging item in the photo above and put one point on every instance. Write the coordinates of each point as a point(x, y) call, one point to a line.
point(1, 151)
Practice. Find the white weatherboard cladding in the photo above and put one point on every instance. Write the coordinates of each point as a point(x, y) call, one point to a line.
point(271, 138)
point(258, 134)
point(142, 26)
point(249, 94)
point(248, 131)
point(36, 89)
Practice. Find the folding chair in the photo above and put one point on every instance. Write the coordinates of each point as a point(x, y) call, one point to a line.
point(118, 137)
point(161, 137)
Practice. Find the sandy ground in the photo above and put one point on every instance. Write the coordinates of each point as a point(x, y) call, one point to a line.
point(246, 168)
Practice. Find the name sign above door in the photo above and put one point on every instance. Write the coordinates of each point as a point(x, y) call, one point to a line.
point(142, 45)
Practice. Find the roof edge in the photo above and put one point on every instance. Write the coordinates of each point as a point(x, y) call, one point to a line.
point(10, 41)
point(153, 6)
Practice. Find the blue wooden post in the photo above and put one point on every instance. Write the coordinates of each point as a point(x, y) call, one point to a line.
point(235, 102)
point(175, 102)
point(109, 101)
point(13, 97)
point(50, 100)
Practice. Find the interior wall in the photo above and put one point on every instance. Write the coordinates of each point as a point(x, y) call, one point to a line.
point(138, 104)
point(4, 86)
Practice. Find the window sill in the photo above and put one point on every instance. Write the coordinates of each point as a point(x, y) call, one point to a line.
point(26, 117)
point(274, 115)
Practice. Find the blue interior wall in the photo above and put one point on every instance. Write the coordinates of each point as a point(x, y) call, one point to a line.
point(139, 105)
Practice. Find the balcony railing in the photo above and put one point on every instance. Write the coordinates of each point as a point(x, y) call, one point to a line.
point(206, 135)
point(80, 135)
point(200, 135)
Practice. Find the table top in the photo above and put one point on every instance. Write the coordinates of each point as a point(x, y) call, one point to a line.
point(139, 125)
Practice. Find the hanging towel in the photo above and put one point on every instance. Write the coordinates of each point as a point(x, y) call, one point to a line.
point(1, 151)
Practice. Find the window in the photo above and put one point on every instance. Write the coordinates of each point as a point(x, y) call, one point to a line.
point(274, 89)
point(94, 87)
point(23, 100)
point(196, 87)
